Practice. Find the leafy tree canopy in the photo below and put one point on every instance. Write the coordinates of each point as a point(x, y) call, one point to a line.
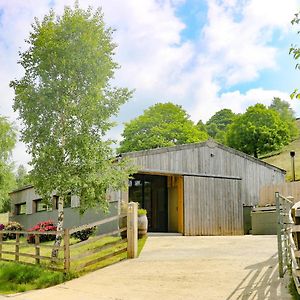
point(295, 52)
point(161, 125)
point(7, 142)
point(65, 100)
point(286, 113)
point(259, 130)
point(201, 126)
point(217, 125)
point(22, 177)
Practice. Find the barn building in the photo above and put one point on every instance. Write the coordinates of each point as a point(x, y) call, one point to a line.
point(193, 189)
point(198, 189)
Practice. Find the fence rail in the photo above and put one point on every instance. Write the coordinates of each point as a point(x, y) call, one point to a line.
point(12, 250)
point(76, 256)
point(288, 237)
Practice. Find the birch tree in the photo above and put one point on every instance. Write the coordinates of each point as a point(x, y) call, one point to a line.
point(66, 100)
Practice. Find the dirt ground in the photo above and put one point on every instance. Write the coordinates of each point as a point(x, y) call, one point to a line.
point(177, 267)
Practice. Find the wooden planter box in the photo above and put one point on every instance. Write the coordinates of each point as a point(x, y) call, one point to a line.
point(264, 220)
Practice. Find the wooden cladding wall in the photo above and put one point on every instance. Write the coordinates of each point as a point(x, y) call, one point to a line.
point(267, 193)
point(212, 206)
point(213, 159)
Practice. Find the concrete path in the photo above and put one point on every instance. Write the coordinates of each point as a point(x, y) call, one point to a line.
point(177, 267)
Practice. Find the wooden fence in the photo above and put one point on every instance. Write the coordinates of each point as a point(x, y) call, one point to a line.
point(12, 249)
point(74, 256)
point(266, 193)
point(288, 237)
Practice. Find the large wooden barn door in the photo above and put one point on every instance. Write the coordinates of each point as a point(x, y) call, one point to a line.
point(212, 206)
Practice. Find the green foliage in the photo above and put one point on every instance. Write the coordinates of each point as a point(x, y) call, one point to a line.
point(161, 125)
point(8, 138)
point(217, 125)
point(287, 114)
point(201, 126)
point(282, 158)
point(22, 177)
point(65, 100)
point(292, 289)
point(84, 234)
point(142, 212)
point(7, 184)
point(259, 130)
point(16, 277)
point(295, 52)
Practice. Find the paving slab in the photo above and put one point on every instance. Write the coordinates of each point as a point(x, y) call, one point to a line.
point(178, 267)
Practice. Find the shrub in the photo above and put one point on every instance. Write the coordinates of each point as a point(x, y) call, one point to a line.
point(12, 226)
point(142, 212)
point(42, 227)
point(84, 234)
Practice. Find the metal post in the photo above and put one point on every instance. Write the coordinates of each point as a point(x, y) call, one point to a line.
point(293, 153)
point(279, 239)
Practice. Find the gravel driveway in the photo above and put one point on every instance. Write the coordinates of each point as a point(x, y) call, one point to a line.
point(178, 267)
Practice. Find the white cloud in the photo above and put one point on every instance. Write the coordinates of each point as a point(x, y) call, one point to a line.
point(237, 38)
point(234, 47)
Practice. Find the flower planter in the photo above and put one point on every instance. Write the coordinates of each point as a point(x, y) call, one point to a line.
point(142, 225)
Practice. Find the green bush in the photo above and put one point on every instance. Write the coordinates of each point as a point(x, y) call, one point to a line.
point(142, 212)
point(84, 234)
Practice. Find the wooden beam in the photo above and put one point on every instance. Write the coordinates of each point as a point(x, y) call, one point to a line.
point(66, 250)
point(107, 220)
point(98, 237)
point(30, 255)
point(98, 249)
point(97, 260)
point(132, 230)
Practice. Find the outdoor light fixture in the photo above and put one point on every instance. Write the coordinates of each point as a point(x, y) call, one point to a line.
point(293, 153)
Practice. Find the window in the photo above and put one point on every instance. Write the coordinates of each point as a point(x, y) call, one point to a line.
point(20, 208)
point(67, 202)
point(40, 205)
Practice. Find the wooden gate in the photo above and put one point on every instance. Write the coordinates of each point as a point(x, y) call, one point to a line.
point(288, 237)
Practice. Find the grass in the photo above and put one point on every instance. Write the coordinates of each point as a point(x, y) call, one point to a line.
point(18, 277)
point(282, 159)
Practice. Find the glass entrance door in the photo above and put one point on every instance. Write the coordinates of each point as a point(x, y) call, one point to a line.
point(151, 192)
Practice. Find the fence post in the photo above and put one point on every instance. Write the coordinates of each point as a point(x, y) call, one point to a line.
point(66, 250)
point(1, 240)
point(132, 230)
point(279, 239)
point(17, 256)
point(37, 248)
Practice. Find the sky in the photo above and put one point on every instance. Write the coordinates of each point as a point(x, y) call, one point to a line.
point(204, 55)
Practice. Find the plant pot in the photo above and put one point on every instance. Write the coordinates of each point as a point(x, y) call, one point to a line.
point(142, 225)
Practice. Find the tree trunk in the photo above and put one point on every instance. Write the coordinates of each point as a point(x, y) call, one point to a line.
point(60, 224)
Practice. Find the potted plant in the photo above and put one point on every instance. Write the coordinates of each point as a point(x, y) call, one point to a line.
point(142, 222)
